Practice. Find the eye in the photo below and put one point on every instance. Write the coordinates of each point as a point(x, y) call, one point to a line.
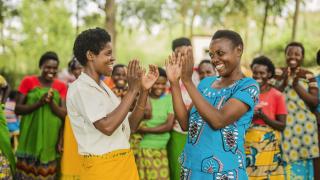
point(211, 54)
point(220, 53)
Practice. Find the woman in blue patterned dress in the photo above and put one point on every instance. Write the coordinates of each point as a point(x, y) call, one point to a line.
point(221, 113)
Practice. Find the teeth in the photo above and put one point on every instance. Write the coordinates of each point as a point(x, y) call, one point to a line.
point(259, 80)
point(293, 62)
point(50, 75)
point(220, 66)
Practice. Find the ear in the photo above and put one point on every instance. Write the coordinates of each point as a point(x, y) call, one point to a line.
point(239, 50)
point(269, 75)
point(90, 56)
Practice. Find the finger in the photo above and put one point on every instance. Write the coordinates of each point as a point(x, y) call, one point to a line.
point(174, 58)
point(129, 69)
point(170, 59)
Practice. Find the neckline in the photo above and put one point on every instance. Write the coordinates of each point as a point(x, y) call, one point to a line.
point(226, 87)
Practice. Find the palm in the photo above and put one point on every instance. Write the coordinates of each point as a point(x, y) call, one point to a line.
point(148, 80)
point(173, 72)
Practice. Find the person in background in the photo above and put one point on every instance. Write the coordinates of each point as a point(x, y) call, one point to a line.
point(7, 159)
point(70, 160)
point(41, 102)
point(316, 161)
point(300, 137)
point(119, 78)
point(13, 120)
point(205, 69)
point(263, 138)
point(222, 110)
point(152, 159)
point(178, 137)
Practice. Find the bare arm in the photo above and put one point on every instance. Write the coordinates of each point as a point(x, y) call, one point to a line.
point(59, 110)
point(278, 124)
point(112, 121)
point(22, 108)
point(138, 111)
point(180, 110)
point(310, 98)
point(165, 127)
point(231, 111)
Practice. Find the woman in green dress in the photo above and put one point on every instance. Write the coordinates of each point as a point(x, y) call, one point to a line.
point(7, 162)
point(41, 102)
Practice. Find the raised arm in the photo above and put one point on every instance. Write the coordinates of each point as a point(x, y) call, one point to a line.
point(232, 110)
point(147, 80)
point(113, 120)
point(173, 68)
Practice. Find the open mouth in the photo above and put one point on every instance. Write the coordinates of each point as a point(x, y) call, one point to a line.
point(50, 75)
point(259, 81)
point(219, 67)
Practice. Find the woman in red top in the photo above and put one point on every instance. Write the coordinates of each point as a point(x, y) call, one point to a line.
point(264, 136)
point(41, 102)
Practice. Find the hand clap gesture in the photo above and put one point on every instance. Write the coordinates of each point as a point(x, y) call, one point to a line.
point(149, 79)
point(173, 67)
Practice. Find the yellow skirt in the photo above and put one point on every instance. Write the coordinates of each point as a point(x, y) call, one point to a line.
point(116, 165)
point(70, 161)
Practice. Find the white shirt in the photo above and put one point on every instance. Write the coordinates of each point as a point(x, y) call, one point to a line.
point(88, 102)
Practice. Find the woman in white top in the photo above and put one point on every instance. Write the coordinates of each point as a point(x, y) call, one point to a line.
point(100, 122)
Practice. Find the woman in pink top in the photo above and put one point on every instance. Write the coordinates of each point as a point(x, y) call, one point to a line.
point(263, 154)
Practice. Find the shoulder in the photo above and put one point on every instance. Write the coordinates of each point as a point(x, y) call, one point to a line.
point(31, 78)
point(247, 82)
point(207, 81)
point(59, 84)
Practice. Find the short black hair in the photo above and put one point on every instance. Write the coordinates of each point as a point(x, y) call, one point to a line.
point(90, 40)
point(229, 34)
point(162, 72)
point(263, 60)
point(298, 44)
point(72, 64)
point(318, 57)
point(183, 41)
point(49, 55)
point(118, 66)
point(203, 62)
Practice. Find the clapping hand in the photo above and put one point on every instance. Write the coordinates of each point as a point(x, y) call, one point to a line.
point(173, 67)
point(134, 75)
point(149, 79)
point(187, 65)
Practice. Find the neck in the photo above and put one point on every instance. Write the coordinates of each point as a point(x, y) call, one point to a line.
point(234, 76)
point(92, 73)
point(44, 81)
point(264, 88)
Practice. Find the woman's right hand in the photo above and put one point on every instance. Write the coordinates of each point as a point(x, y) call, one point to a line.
point(173, 67)
point(134, 75)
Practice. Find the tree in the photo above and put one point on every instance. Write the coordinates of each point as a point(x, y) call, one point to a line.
point(295, 20)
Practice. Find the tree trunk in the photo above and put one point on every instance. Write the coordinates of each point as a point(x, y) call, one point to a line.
point(264, 25)
point(295, 20)
point(111, 11)
point(77, 17)
point(196, 11)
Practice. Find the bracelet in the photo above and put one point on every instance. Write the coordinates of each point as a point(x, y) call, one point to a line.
point(140, 107)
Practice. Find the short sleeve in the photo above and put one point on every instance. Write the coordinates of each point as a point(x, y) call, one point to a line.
point(281, 107)
point(25, 85)
point(61, 88)
point(206, 81)
point(91, 103)
point(247, 92)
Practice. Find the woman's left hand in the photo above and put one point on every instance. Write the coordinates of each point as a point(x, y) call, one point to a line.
point(187, 65)
point(149, 79)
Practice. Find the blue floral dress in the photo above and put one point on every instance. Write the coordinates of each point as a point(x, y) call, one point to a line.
point(219, 153)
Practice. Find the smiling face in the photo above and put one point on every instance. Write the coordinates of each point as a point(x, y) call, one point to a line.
point(261, 74)
point(225, 56)
point(49, 69)
point(294, 56)
point(119, 77)
point(205, 70)
point(159, 87)
point(103, 62)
